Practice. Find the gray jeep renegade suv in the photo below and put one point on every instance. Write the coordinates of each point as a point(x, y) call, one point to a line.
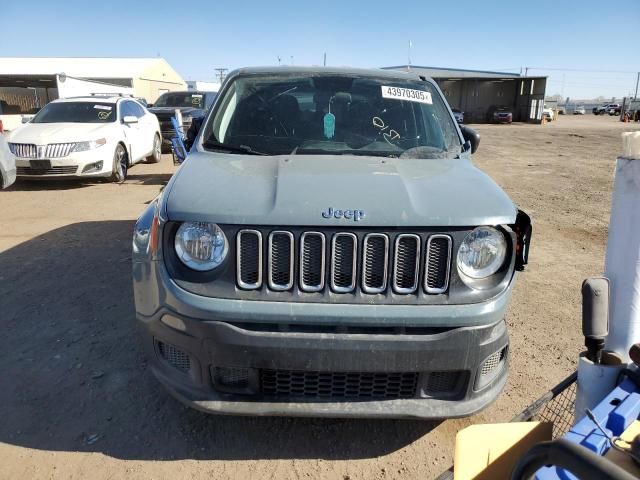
point(329, 249)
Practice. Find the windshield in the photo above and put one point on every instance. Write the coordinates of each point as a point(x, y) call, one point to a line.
point(76, 112)
point(332, 114)
point(185, 99)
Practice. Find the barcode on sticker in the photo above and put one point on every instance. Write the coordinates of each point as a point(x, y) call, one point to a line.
point(408, 94)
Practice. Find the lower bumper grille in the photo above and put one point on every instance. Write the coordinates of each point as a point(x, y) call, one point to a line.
point(64, 170)
point(174, 356)
point(291, 383)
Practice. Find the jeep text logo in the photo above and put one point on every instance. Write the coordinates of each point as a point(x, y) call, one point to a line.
point(355, 215)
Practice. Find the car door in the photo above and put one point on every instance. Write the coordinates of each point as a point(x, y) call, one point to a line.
point(131, 131)
point(147, 127)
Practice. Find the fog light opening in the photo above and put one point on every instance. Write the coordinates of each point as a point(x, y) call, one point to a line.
point(93, 167)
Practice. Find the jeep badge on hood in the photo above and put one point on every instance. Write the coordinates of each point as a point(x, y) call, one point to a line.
point(355, 215)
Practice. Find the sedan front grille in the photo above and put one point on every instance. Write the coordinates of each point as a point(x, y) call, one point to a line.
point(24, 150)
point(63, 170)
point(53, 150)
point(58, 150)
point(341, 261)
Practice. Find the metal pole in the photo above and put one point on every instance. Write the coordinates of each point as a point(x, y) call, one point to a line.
point(635, 97)
point(325, 59)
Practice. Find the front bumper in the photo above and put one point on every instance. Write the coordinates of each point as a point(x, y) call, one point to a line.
point(93, 163)
point(455, 356)
point(254, 337)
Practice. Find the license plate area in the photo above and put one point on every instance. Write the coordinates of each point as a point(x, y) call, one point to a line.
point(40, 164)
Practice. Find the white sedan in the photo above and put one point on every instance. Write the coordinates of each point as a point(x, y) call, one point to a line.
point(7, 164)
point(96, 136)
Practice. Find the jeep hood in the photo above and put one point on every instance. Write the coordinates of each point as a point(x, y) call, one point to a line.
point(295, 190)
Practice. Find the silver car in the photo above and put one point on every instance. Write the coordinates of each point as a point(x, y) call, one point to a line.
point(328, 248)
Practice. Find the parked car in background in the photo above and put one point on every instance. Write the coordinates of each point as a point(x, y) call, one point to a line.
point(607, 108)
point(500, 115)
point(273, 276)
point(614, 109)
point(7, 164)
point(548, 113)
point(579, 110)
point(192, 104)
point(96, 136)
point(458, 115)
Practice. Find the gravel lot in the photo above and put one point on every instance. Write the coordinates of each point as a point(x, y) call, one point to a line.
point(78, 402)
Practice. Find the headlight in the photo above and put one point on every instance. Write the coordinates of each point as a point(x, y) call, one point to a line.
point(84, 146)
point(201, 246)
point(482, 252)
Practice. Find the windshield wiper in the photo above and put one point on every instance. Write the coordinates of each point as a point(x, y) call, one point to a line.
point(246, 149)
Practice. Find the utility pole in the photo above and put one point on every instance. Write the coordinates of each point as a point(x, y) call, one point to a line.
point(279, 60)
point(526, 71)
point(221, 73)
point(409, 56)
point(635, 97)
point(325, 59)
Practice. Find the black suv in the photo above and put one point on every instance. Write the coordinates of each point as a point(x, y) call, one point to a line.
point(192, 104)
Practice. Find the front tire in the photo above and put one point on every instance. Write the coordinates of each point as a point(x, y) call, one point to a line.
point(120, 165)
point(156, 154)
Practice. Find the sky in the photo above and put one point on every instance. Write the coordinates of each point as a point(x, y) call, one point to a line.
point(587, 48)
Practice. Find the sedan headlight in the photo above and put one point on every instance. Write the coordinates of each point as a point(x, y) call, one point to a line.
point(201, 246)
point(482, 252)
point(84, 146)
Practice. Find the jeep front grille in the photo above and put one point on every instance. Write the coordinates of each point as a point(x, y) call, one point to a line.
point(375, 263)
point(249, 267)
point(437, 262)
point(280, 264)
point(406, 264)
point(343, 262)
point(344, 248)
point(312, 261)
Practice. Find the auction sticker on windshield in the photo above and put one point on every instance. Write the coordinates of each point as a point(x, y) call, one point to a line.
point(408, 94)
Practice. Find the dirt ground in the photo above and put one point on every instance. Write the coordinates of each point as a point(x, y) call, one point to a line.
point(77, 400)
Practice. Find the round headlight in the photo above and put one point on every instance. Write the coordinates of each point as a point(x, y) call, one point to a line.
point(201, 246)
point(482, 252)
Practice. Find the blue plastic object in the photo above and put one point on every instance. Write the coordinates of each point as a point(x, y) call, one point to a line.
point(615, 413)
point(177, 143)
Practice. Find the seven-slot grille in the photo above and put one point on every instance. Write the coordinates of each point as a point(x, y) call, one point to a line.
point(53, 150)
point(341, 260)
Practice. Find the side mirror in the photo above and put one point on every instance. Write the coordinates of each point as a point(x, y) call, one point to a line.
point(471, 137)
point(27, 118)
point(149, 105)
point(128, 119)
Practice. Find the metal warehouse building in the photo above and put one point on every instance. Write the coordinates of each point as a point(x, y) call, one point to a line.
point(478, 93)
point(27, 84)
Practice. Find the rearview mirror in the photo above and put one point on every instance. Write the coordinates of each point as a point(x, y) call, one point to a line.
point(129, 119)
point(471, 137)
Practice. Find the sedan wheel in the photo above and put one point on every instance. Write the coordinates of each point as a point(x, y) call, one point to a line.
point(120, 165)
point(156, 154)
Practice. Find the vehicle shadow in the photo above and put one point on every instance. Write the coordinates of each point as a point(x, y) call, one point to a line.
point(149, 178)
point(74, 377)
point(51, 184)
